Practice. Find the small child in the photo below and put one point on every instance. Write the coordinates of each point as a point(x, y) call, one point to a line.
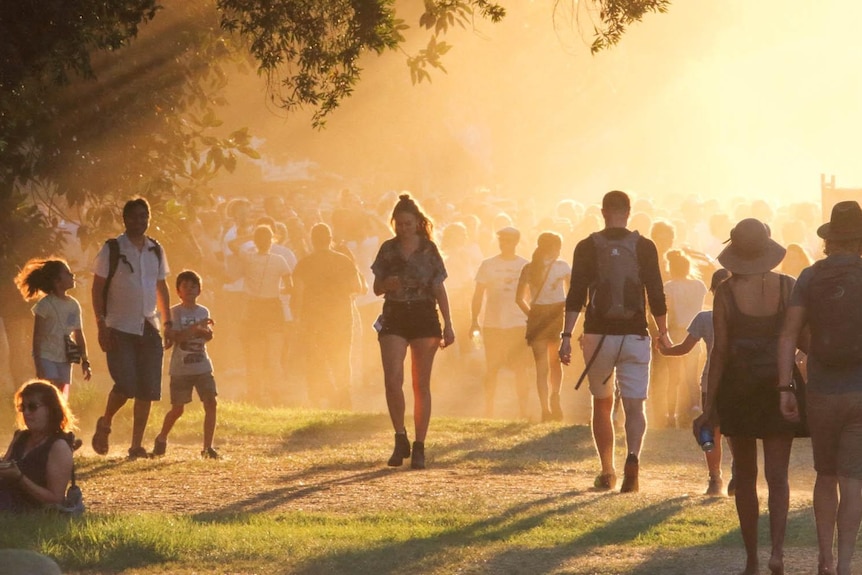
point(191, 368)
point(57, 321)
point(700, 328)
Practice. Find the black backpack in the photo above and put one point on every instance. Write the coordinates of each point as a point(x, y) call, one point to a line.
point(835, 313)
point(618, 292)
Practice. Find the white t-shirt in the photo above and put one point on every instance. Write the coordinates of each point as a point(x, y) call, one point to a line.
point(500, 278)
point(62, 316)
point(684, 301)
point(262, 274)
point(132, 294)
point(554, 288)
point(189, 357)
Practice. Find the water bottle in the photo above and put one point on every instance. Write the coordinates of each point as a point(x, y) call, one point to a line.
point(476, 338)
point(706, 438)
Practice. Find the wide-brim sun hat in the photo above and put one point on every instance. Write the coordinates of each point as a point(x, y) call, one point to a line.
point(751, 250)
point(844, 224)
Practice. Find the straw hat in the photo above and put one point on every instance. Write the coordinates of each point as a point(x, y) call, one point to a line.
point(845, 223)
point(751, 250)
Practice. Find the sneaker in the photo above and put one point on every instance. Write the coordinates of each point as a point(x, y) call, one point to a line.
point(630, 475)
point(731, 487)
point(159, 447)
point(137, 453)
point(605, 481)
point(210, 453)
point(715, 488)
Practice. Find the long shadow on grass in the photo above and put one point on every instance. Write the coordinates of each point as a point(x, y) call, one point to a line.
point(294, 489)
point(436, 552)
point(562, 445)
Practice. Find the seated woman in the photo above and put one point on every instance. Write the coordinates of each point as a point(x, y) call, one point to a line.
point(37, 467)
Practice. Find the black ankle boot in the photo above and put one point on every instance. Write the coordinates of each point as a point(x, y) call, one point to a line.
point(402, 450)
point(418, 459)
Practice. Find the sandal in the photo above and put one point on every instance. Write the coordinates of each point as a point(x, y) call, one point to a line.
point(100, 438)
point(137, 453)
point(159, 447)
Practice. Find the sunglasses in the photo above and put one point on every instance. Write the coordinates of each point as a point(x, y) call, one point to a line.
point(29, 406)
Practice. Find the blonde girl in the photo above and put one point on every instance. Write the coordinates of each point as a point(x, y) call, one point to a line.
point(57, 320)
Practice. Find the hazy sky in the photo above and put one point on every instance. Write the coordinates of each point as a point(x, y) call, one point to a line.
point(718, 97)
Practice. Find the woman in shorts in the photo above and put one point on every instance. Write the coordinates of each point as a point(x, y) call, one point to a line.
point(409, 274)
point(546, 278)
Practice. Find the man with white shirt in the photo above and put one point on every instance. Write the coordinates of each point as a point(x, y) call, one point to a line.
point(130, 296)
point(504, 323)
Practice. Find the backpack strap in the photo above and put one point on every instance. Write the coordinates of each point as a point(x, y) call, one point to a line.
point(114, 260)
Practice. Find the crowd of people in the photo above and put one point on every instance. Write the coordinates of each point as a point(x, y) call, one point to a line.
point(304, 309)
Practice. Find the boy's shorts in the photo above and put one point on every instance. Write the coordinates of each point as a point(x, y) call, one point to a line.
point(182, 385)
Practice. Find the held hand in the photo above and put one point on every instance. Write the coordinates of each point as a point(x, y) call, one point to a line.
point(565, 352)
point(664, 341)
point(448, 337)
point(788, 405)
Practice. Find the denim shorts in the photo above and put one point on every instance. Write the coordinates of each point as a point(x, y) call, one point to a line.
point(135, 364)
point(55, 370)
point(410, 319)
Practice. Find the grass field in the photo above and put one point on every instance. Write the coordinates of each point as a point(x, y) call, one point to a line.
point(308, 492)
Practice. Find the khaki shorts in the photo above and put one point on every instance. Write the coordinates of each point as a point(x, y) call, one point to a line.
point(835, 421)
point(624, 356)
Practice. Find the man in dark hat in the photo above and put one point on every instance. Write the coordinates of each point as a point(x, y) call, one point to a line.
point(828, 299)
point(614, 267)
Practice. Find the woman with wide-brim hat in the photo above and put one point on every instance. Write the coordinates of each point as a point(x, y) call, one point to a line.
point(742, 394)
point(834, 401)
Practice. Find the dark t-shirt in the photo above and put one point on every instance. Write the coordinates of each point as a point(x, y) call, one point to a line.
point(327, 279)
point(821, 378)
point(584, 275)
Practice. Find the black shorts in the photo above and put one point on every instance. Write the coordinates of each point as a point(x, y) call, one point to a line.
point(410, 319)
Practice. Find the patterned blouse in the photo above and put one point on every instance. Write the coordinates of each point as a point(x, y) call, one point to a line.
point(419, 273)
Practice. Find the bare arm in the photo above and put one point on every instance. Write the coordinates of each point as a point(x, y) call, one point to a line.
point(681, 348)
point(443, 303)
point(85, 362)
point(476, 305)
point(163, 302)
point(39, 328)
point(521, 293)
point(794, 322)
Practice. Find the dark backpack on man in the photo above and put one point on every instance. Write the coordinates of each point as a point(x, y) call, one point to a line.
point(834, 309)
point(618, 292)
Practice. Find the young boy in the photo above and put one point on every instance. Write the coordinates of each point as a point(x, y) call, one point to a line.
point(191, 368)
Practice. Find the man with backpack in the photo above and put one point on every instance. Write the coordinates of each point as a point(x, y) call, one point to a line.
point(827, 298)
point(129, 296)
point(613, 268)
